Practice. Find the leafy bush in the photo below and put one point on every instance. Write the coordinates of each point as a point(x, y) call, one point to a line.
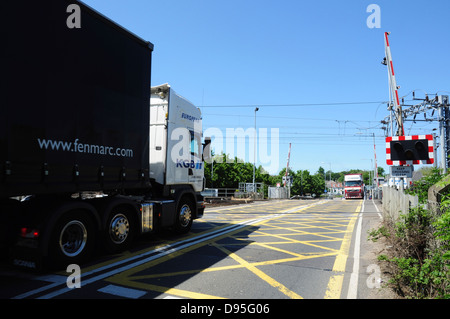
point(420, 188)
point(417, 270)
point(419, 254)
point(426, 279)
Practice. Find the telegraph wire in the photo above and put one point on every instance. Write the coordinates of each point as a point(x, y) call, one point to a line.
point(288, 118)
point(294, 104)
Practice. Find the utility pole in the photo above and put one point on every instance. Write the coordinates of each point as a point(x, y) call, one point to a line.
point(254, 154)
point(444, 131)
point(442, 136)
point(444, 100)
point(376, 166)
point(287, 171)
point(287, 166)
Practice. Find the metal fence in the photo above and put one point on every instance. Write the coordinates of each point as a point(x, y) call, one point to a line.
point(245, 190)
point(396, 202)
point(278, 193)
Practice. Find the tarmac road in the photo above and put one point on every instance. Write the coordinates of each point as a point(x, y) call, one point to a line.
point(290, 249)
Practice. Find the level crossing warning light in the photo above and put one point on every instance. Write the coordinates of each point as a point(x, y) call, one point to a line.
point(409, 150)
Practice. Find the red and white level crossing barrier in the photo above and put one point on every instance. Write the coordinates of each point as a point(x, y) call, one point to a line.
point(390, 139)
point(393, 83)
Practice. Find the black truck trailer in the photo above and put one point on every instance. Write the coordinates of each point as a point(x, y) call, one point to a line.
point(74, 137)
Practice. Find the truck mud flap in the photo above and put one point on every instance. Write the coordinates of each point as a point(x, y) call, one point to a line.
point(168, 211)
point(165, 211)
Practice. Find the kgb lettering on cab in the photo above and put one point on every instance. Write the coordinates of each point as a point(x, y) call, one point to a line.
point(189, 164)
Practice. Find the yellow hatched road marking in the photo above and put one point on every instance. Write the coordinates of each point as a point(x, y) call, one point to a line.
point(297, 232)
point(130, 277)
point(334, 287)
point(171, 291)
point(221, 268)
point(126, 278)
point(260, 274)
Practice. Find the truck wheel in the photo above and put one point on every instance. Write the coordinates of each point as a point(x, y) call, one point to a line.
point(184, 218)
point(119, 232)
point(72, 240)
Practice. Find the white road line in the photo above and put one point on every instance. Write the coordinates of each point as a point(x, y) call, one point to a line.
point(156, 254)
point(159, 252)
point(378, 211)
point(122, 291)
point(36, 291)
point(353, 285)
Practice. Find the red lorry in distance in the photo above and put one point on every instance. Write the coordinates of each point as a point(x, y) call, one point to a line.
point(353, 186)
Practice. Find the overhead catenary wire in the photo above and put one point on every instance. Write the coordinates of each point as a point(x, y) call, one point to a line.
point(289, 118)
point(294, 104)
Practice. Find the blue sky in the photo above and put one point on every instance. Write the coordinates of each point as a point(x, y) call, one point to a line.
point(298, 61)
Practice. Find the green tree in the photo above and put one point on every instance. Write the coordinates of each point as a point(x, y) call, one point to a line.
point(229, 173)
point(300, 183)
point(321, 171)
point(305, 183)
point(318, 183)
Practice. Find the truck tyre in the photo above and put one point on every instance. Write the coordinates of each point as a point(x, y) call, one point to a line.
point(119, 231)
point(72, 240)
point(184, 216)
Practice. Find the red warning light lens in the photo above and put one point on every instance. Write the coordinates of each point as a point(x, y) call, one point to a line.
point(26, 232)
